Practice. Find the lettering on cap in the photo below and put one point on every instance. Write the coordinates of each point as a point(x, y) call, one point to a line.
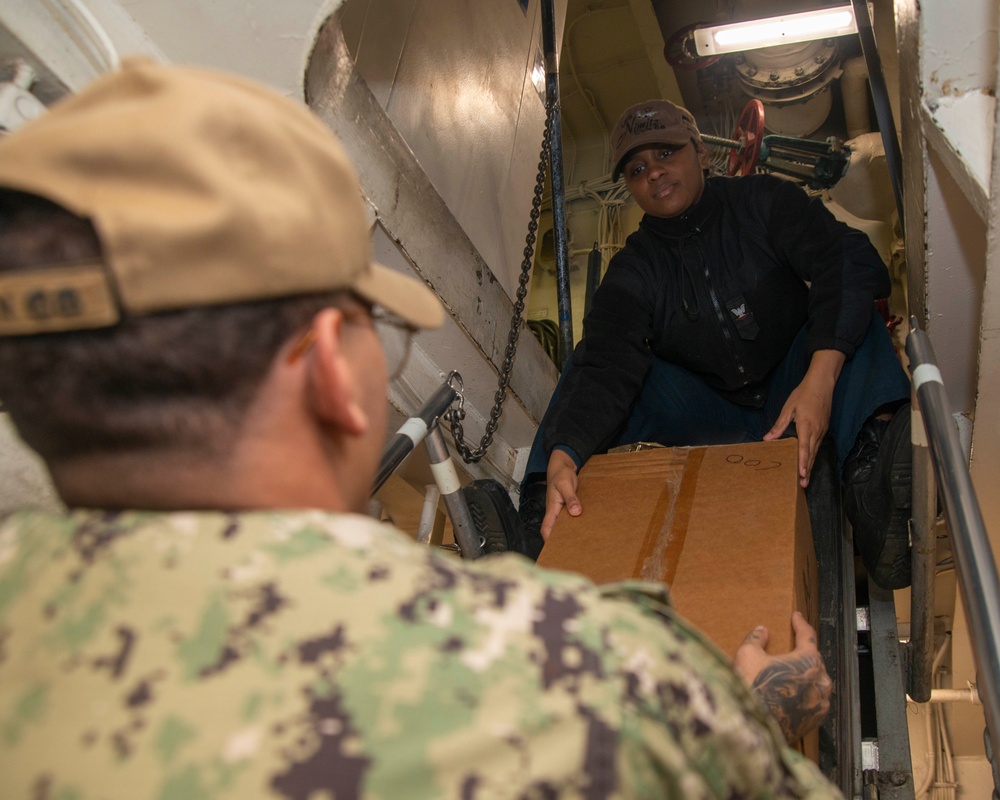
point(639, 123)
point(56, 299)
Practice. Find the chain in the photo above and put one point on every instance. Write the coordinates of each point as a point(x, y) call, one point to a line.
point(455, 415)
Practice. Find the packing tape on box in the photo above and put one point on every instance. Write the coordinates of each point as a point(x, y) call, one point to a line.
point(664, 540)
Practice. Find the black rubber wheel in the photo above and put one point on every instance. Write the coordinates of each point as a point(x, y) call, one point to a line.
point(495, 517)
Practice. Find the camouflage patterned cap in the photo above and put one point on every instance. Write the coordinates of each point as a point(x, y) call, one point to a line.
point(652, 122)
point(205, 189)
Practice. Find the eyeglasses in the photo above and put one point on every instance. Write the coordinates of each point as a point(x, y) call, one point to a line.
point(394, 334)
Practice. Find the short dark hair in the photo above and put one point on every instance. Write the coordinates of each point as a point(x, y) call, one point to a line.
point(177, 378)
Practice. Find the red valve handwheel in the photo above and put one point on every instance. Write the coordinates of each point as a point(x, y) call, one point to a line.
point(750, 134)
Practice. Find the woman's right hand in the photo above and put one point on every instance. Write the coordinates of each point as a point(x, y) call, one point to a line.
point(561, 492)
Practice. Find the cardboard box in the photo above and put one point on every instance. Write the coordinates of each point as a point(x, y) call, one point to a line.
point(725, 527)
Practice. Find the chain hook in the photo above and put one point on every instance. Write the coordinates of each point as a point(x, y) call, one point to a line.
point(454, 380)
point(456, 412)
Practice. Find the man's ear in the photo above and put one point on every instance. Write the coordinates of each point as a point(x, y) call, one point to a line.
point(335, 390)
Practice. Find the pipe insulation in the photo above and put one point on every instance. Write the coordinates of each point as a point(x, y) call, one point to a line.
point(967, 695)
point(854, 88)
point(866, 188)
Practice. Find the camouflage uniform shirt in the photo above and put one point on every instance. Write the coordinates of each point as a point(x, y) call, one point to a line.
point(304, 655)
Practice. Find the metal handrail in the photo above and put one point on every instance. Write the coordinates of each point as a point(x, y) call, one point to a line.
point(424, 427)
point(402, 443)
point(974, 563)
point(922, 646)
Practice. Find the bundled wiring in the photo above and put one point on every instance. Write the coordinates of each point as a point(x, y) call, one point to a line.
point(587, 95)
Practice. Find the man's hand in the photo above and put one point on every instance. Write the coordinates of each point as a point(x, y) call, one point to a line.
point(562, 482)
point(795, 686)
point(809, 407)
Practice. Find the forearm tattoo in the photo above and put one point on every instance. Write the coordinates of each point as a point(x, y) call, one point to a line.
point(795, 691)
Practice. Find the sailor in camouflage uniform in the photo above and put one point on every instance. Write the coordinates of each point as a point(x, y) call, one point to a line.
point(186, 331)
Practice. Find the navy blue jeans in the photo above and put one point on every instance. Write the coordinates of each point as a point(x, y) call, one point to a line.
point(676, 407)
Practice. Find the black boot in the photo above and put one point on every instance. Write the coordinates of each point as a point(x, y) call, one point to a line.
point(531, 510)
point(877, 477)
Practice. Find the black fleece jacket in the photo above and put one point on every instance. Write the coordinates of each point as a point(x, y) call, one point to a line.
point(722, 291)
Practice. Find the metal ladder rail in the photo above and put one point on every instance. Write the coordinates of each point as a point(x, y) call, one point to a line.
point(860, 644)
point(886, 764)
point(974, 563)
point(840, 757)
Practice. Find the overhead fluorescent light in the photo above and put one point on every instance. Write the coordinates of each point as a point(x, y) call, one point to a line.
point(788, 29)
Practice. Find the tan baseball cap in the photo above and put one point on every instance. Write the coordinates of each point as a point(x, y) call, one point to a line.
point(652, 122)
point(205, 189)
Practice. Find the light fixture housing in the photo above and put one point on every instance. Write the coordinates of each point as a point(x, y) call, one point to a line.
point(735, 37)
